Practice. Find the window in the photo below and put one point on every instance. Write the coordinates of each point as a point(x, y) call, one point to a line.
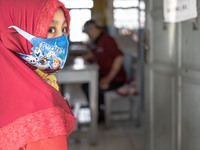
point(78, 18)
point(129, 14)
point(80, 11)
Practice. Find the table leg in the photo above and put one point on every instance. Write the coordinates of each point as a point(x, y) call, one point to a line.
point(93, 96)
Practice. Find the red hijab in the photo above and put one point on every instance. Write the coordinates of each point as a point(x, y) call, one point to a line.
point(24, 94)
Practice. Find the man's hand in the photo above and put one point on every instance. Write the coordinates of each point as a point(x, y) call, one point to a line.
point(89, 57)
point(104, 83)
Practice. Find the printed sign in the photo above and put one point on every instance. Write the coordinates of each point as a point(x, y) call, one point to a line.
point(179, 10)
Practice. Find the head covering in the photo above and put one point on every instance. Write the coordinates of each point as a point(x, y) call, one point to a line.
point(30, 108)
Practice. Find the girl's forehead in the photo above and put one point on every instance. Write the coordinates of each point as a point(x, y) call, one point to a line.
point(59, 17)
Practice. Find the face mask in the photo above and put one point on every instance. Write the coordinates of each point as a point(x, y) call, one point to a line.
point(48, 55)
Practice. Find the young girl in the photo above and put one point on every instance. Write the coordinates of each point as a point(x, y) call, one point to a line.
point(34, 115)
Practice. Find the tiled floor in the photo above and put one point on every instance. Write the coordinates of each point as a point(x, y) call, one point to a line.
point(123, 135)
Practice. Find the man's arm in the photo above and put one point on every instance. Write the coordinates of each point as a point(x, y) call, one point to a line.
point(89, 57)
point(105, 81)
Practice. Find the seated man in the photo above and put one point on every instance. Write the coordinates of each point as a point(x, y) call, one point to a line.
point(109, 58)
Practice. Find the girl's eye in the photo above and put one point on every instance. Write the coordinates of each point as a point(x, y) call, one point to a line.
point(64, 30)
point(52, 30)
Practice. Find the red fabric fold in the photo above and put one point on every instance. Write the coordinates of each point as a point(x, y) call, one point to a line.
point(39, 125)
point(22, 91)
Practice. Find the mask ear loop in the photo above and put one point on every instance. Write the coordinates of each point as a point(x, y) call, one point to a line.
point(26, 35)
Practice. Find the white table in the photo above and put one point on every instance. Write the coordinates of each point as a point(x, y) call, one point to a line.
point(84, 74)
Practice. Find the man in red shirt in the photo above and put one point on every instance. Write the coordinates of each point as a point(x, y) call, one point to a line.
point(108, 56)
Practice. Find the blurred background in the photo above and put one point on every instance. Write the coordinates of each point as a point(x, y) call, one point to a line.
point(160, 43)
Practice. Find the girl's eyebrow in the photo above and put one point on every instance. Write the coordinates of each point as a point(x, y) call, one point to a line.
point(56, 22)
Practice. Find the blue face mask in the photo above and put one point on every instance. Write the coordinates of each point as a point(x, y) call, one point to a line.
point(48, 55)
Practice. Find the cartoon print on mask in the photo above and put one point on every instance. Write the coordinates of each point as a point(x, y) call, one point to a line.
point(48, 55)
point(31, 60)
point(44, 63)
point(56, 63)
point(38, 52)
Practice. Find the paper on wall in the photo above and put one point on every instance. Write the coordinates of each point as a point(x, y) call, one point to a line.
point(179, 10)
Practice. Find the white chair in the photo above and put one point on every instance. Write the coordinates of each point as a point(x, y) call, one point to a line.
point(119, 107)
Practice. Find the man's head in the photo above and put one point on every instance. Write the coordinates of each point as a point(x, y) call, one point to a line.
point(92, 29)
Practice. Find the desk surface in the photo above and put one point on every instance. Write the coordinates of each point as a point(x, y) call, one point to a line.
point(79, 67)
point(78, 74)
